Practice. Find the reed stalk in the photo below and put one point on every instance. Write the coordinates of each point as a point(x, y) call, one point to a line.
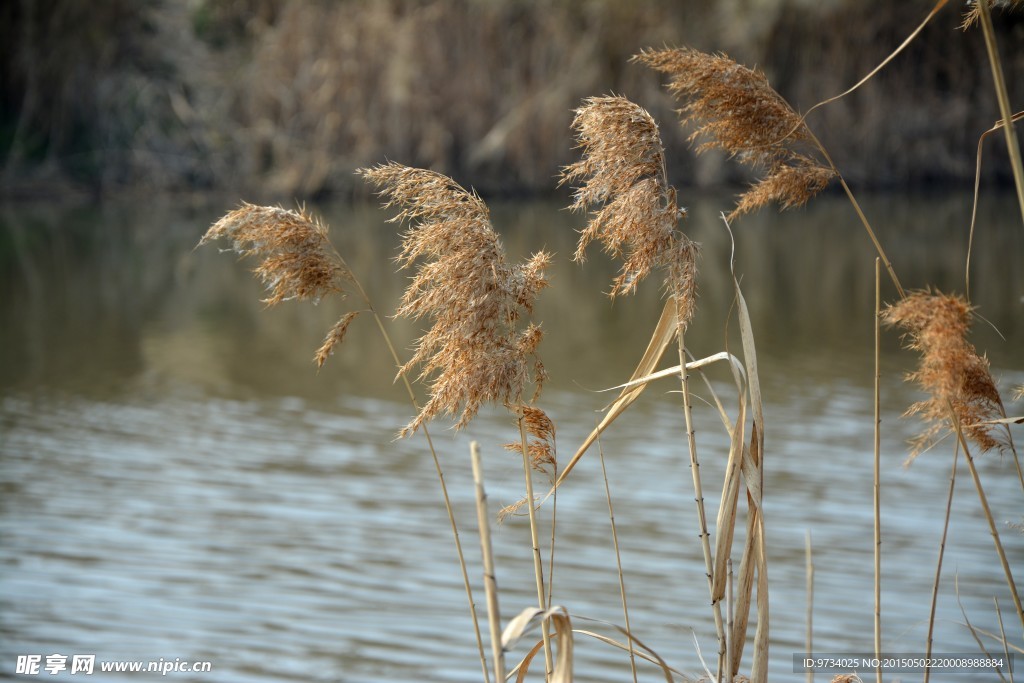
point(618, 560)
point(809, 574)
point(983, 499)
point(999, 82)
point(698, 492)
point(877, 488)
point(538, 568)
point(938, 564)
point(490, 578)
point(449, 510)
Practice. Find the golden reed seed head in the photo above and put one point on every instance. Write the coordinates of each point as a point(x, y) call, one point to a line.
point(733, 108)
point(473, 352)
point(951, 370)
point(297, 260)
point(622, 172)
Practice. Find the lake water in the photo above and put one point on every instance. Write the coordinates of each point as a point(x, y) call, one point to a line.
point(179, 483)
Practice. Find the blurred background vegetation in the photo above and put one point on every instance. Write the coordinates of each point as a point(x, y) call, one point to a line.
point(285, 98)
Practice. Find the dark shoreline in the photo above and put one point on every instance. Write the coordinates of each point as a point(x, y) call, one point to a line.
point(285, 99)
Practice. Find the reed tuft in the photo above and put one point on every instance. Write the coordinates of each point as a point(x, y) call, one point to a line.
point(733, 108)
point(623, 172)
point(973, 15)
point(951, 370)
point(541, 446)
point(297, 260)
point(474, 352)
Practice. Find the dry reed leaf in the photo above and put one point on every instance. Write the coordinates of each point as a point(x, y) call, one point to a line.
point(558, 617)
point(473, 353)
point(951, 371)
point(733, 108)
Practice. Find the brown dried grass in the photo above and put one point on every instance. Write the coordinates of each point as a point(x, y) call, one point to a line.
point(296, 259)
point(622, 171)
point(474, 352)
point(951, 371)
point(733, 108)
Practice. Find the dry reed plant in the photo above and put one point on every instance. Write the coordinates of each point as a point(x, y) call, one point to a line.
point(299, 262)
point(623, 172)
point(473, 352)
point(951, 371)
point(733, 108)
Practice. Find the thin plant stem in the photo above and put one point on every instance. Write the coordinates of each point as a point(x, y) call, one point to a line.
point(938, 564)
point(437, 466)
point(618, 558)
point(730, 607)
point(988, 515)
point(554, 524)
point(538, 568)
point(860, 214)
point(1002, 635)
point(809, 572)
point(1004, 102)
point(698, 491)
point(490, 579)
point(877, 473)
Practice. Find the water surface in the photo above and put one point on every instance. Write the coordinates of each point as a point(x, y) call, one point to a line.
point(179, 482)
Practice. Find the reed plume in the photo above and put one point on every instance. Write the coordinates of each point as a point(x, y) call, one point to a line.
point(951, 371)
point(297, 260)
point(622, 171)
point(733, 108)
point(973, 15)
point(474, 353)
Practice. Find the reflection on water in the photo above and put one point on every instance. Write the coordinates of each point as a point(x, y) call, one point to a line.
point(177, 481)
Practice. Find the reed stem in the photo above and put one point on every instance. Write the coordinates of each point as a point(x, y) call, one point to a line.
point(538, 568)
point(437, 466)
point(809, 572)
point(698, 491)
point(490, 578)
point(877, 474)
point(860, 214)
point(618, 560)
point(1004, 101)
point(988, 516)
point(938, 565)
